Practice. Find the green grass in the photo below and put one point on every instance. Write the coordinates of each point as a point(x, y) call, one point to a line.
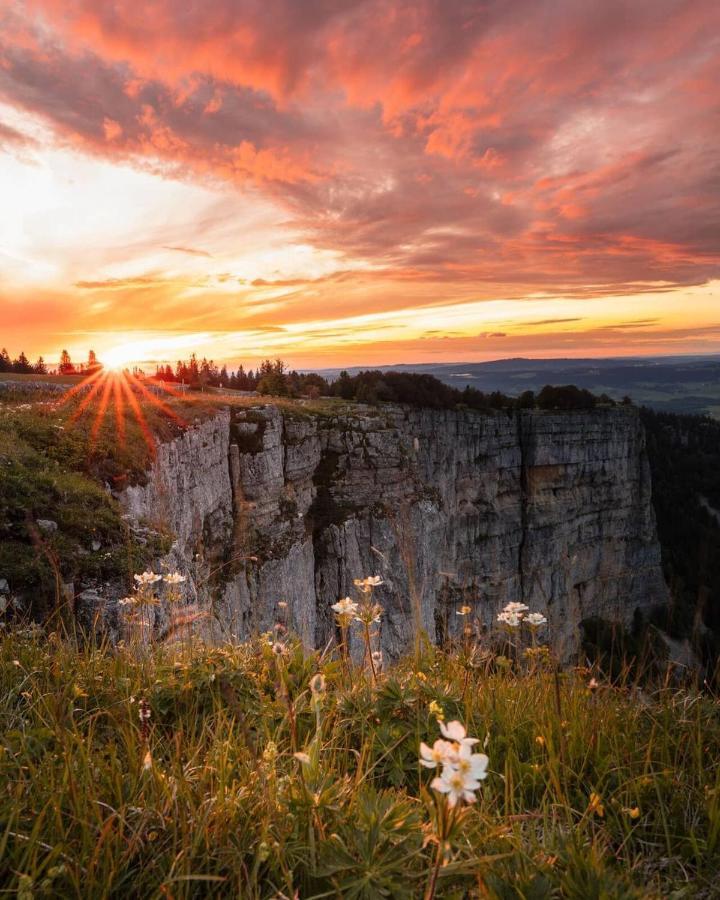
point(226, 810)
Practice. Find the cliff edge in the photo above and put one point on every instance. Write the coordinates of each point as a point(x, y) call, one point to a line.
point(273, 504)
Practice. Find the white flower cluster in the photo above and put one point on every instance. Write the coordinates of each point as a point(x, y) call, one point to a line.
point(143, 586)
point(348, 610)
point(462, 770)
point(515, 614)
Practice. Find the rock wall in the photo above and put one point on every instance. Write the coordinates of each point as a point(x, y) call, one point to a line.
point(269, 505)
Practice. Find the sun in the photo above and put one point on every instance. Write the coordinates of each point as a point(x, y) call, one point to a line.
point(121, 356)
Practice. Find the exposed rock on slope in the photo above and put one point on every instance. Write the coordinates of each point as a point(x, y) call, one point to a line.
point(450, 507)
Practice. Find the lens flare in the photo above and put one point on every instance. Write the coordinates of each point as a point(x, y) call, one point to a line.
point(115, 391)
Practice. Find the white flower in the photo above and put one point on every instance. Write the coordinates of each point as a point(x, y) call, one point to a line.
point(510, 619)
point(147, 577)
point(437, 755)
point(345, 607)
point(128, 601)
point(456, 784)
point(366, 585)
point(455, 731)
point(535, 620)
point(469, 763)
point(518, 609)
point(174, 578)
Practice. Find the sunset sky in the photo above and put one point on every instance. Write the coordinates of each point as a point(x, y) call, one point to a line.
point(360, 181)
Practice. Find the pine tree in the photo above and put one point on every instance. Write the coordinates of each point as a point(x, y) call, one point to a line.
point(66, 366)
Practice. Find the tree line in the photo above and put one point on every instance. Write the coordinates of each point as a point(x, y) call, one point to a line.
point(273, 378)
point(373, 386)
point(21, 365)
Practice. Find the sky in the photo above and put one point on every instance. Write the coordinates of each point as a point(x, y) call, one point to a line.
point(351, 182)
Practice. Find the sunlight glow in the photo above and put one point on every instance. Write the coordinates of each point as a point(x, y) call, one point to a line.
point(123, 355)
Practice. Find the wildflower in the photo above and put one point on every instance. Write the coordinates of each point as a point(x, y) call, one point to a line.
point(144, 711)
point(270, 752)
point(174, 578)
point(633, 812)
point(436, 710)
point(540, 740)
point(519, 609)
point(129, 601)
point(369, 613)
point(455, 731)
point(596, 805)
point(366, 585)
point(593, 684)
point(345, 607)
point(535, 620)
point(317, 684)
point(421, 676)
point(377, 658)
point(463, 611)
point(437, 755)
point(279, 649)
point(457, 785)
point(471, 764)
point(147, 578)
point(509, 619)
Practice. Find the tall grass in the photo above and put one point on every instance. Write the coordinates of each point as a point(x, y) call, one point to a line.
point(245, 783)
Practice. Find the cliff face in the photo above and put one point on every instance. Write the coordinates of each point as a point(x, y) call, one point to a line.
point(449, 507)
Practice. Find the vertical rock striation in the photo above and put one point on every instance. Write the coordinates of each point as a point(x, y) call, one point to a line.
point(450, 507)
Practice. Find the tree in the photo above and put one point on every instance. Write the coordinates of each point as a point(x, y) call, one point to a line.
point(92, 364)
point(40, 368)
point(66, 366)
point(5, 362)
point(273, 380)
point(22, 365)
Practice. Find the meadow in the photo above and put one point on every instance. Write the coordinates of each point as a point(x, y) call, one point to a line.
point(177, 769)
point(262, 770)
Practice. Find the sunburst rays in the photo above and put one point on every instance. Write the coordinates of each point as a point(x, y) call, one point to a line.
point(108, 393)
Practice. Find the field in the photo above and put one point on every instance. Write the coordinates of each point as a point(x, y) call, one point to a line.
point(179, 771)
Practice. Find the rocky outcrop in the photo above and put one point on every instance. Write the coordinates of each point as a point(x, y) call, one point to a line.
point(450, 507)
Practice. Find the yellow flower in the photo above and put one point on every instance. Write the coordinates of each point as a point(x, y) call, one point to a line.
point(436, 710)
point(464, 611)
point(633, 812)
point(596, 805)
point(540, 740)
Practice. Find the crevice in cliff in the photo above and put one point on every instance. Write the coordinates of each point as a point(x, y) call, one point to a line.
point(524, 497)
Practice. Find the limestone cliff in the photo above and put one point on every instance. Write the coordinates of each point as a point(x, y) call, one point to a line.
point(450, 507)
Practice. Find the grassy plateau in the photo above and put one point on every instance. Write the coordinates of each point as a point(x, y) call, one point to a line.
point(194, 771)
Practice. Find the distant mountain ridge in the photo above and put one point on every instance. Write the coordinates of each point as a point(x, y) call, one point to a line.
point(685, 384)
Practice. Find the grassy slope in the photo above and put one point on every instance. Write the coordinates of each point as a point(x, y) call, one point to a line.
point(226, 810)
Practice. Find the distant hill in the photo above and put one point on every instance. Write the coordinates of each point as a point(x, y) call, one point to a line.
point(681, 384)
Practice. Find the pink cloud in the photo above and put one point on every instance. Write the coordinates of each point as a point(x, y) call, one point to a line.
point(560, 145)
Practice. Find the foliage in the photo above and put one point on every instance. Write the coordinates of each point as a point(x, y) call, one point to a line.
point(684, 454)
point(590, 793)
